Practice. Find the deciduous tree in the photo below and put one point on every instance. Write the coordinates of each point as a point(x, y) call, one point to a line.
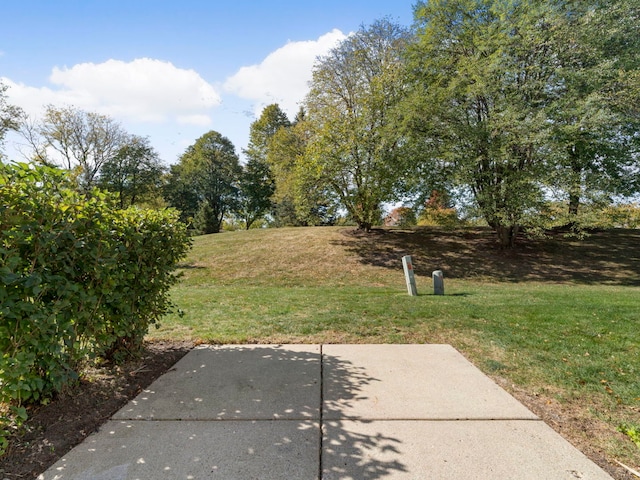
point(255, 188)
point(484, 74)
point(594, 134)
point(205, 180)
point(519, 98)
point(134, 173)
point(76, 140)
point(263, 129)
point(300, 198)
point(354, 148)
point(259, 155)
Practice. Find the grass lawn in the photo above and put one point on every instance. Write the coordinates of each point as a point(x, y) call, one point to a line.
point(556, 322)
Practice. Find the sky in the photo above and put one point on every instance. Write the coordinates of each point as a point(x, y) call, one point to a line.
point(173, 70)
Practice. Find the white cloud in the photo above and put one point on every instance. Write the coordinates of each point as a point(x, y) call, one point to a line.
point(143, 90)
point(283, 75)
point(198, 120)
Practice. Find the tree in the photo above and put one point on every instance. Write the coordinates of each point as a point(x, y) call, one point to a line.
point(300, 197)
point(256, 182)
point(518, 98)
point(134, 173)
point(483, 74)
point(255, 188)
point(179, 192)
point(204, 181)
point(354, 148)
point(263, 129)
point(10, 116)
point(271, 121)
point(594, 135)
point(285, 147)
point(76, 139)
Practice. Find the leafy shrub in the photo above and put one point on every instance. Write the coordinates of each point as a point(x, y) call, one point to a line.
point(401, 217)
point(555, 215)
point(439, 212)
point(632, 431)
point(78, 278)
point(623, 215)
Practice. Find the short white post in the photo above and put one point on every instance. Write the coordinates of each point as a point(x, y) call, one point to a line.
point(408, 275)
point(438, 282)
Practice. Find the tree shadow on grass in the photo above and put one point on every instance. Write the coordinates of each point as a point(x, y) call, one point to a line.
point(606, 257)
point(188, 266)
point(235, 412)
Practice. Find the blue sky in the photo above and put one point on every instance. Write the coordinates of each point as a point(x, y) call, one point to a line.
point(173, 70)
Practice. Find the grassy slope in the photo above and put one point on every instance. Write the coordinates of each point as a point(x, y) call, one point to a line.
point(557, 320)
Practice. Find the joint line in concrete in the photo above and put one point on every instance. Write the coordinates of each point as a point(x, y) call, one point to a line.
point(320, 413)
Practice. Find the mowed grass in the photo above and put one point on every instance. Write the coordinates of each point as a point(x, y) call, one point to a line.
point(557, 320)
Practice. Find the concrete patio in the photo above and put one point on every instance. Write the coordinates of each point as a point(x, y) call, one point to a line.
point(324, 412)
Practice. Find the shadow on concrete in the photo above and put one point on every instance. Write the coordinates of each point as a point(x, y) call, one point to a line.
point(348, 454)
point(610, 257)
point(233, 412)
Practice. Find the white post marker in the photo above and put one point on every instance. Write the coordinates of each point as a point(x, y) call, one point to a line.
point(438, 282)
point(408, 275)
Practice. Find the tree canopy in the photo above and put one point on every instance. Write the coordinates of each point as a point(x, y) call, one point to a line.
point(263, 129)
point(353, 91)
point(203, 183)
point(518, 98)
point(134, 173)
point(78, 140)
point(593, 137)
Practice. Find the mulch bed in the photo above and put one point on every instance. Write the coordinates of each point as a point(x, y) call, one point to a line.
point(54, 429)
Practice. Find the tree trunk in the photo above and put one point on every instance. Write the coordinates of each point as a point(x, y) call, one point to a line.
point(574, 203)
point(365, 226)
point(575, 187)
point(507, 235)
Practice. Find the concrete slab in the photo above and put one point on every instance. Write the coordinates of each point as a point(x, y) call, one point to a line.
point(250, 382)
point(410, 382)
point(392, 411)
point(442, 450)
point(225, 450)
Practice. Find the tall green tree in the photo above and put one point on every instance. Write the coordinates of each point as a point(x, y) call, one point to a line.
point(594, 136)
point(286, 146)
point(262, 131)
point(203, 184)
point(354, 148)
point(134, 173)
point(483, 75)
point(255, 188)
point(300, 198)
point(179, 192)
point(519, 98)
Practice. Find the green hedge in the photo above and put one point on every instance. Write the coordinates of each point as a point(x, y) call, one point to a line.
point(78, 278)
